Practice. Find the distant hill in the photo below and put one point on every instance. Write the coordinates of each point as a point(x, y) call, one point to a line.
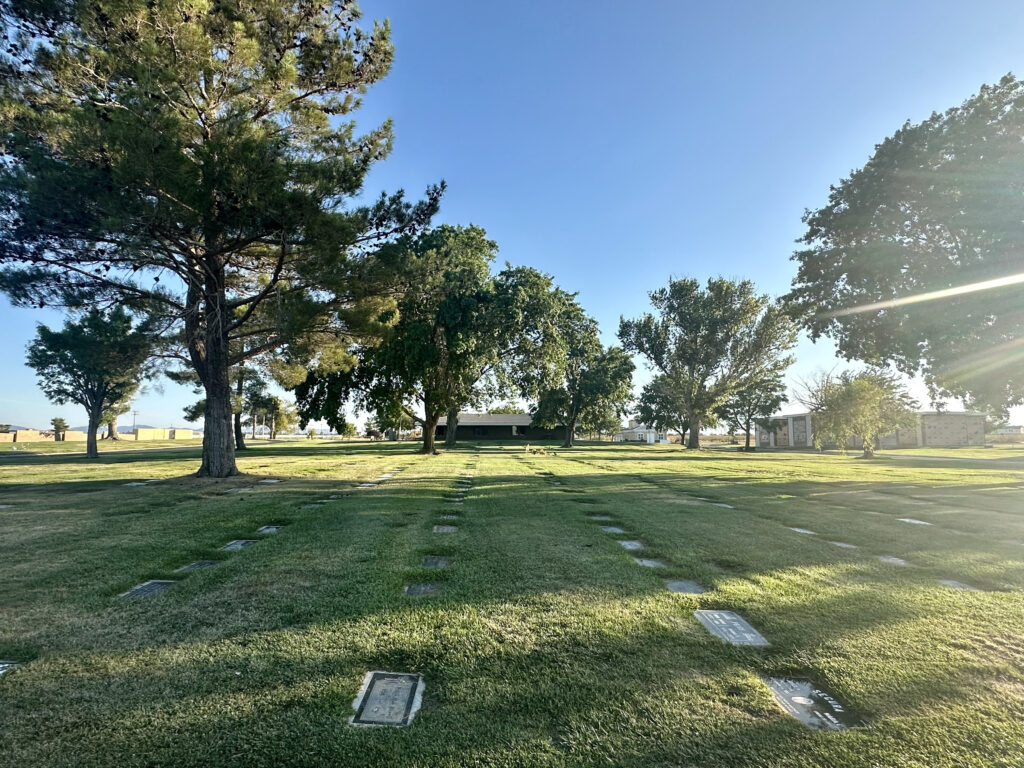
point(15, 427)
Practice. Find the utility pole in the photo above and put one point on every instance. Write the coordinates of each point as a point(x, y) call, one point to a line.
point(134, 414)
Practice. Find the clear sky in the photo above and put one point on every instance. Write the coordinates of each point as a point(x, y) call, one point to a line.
point(615, 144)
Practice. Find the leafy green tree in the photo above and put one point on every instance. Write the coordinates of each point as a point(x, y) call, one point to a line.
point(865, 405)
point(936, 208)
point(601, 421)
point(5, 429)
point(347, 431)
point(593, 380)
point(197, 160)
point(507, 408)
point(661, 406)
point(456, 325)
point(753, 404)
point(710, 342)
point(60, 426)
point(110, 417)
point(97, 362)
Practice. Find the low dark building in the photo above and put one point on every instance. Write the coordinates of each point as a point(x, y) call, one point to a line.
point(498, 426)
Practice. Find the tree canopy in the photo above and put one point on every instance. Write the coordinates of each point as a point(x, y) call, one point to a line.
point(753, 403)
point(196, 160)
point(96, 362)
point(455, 328)
point(593, 379)
point(863, 405)
point(708, 343)
point(935, 209)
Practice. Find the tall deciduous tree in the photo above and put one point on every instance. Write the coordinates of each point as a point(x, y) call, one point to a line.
point(455, 326)
point(936, 208)
point(196, 158)
point(661, 406)
point(865, 405)
point(710, 342)
point(97, 362)
point(753, 403)
point(593, 379)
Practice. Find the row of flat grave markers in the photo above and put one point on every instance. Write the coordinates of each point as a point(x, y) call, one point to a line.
point(154, 586)
point(812, 705)
point(434, 562)
point(892, 559)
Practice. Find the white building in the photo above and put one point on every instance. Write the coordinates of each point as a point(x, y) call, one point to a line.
point(639, 433)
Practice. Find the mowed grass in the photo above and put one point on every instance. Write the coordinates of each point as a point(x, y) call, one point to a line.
point(547, 646)
point(78, 446)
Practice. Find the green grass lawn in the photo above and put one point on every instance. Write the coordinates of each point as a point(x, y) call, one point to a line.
point(547, 645)
point(78, 446)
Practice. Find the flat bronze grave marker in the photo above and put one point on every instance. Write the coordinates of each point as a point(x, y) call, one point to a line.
point(6, 506)
point(684, 586)
point(236, 544)
point(631, 544)
point(134, 485)
point(445, 529)
point(422, 590)
point(449, 517)
point(7, 666)
point(197, 565)
point(388, 699)
point(810, 704)
point(268, 529)
point(435, 561)
point(803, 530)
point(912, 521)
point(599, 517)
point(843, 544)
point(730, 627)
point(269, 481)
point(367, 485)
point(611, 529)
point(954, 584)
point(723, 504)
point(147, 588)
point(647, 562)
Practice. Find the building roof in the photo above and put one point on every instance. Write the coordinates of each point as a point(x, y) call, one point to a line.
point(490, 420)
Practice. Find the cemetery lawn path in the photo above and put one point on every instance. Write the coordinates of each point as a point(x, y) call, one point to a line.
point(547, 645)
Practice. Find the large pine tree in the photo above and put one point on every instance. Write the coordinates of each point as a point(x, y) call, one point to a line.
point(195, 158)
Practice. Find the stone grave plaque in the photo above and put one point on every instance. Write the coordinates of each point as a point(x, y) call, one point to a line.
point(912, 521)
point(445, 528)
point(435, 561)
point(422, 590)
point(269, 481)
point(843, 545)
point(366, 485)
point(631, 544)
point(954, 584)
point(891, 560)
point(449, 517)
point(239, 490)
point(611, 529)
point(6, 506)
point(147, 588)
point(730, 627)
point(314, 505)
point(133, 485)
point(647, 562)
point(237, 544)
point(810, 704)
point(599, 517)
point(388, 698)
point(198, 565)
point(684, 586)
point(7, 666)
point(723, 504)
point(804, 530)
point(267, 529)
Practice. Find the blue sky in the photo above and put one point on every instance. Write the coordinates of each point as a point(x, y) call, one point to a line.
point(615, 144)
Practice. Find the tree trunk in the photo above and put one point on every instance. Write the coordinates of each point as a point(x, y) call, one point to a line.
point(570, 433)
point(451, 428)
point(91, 449)
point(429, 428)
point(239, 435)
point(694, 441)
point(112, 428)
point(218, 432)
point(747, 430)
point(273, 427)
